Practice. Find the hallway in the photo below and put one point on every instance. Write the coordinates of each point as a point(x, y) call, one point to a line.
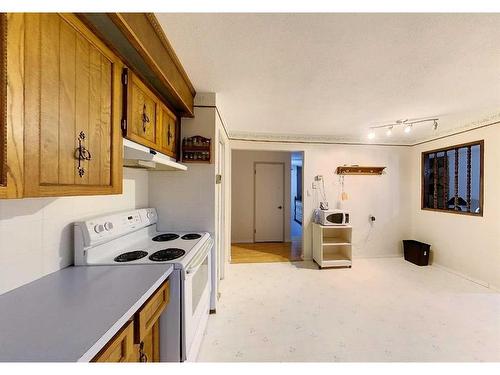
point(266, 252)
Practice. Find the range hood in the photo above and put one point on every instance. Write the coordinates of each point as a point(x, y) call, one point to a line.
point(138, 156)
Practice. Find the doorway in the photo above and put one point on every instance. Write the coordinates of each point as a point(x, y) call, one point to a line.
point(269, 201)
point(263, 209)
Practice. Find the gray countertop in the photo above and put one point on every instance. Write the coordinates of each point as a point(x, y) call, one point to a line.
point(71, 314)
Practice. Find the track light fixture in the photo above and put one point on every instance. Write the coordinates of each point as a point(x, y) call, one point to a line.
point(406, 124)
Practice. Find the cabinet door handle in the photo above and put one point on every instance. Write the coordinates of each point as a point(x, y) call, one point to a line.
point(81, 154)
point(169, 135)
point(145, 119)
point(142, 356)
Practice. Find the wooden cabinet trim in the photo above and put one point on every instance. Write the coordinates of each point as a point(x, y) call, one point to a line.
point(150, 33)
point(14, 115)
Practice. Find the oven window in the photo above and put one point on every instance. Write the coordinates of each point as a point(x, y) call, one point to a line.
point(200, 281)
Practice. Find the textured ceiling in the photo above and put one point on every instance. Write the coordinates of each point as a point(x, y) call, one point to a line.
point(331, 76)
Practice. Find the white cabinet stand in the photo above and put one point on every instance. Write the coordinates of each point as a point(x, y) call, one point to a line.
point(332, 245)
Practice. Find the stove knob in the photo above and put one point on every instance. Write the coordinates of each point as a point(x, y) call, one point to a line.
point(98, 228)
point(108, 225)
point(150, 215)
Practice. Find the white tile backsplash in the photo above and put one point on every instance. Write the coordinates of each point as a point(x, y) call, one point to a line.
point(36, 234)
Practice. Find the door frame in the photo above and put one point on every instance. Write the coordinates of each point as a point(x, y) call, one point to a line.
point(255, 196)
point(221, 218)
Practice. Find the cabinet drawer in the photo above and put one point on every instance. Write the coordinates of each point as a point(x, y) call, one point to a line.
point(149, 313)
point(120, 348)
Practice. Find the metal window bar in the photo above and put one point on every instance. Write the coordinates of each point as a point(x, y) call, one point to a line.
point(456, 179)
point(445, 181)
point(469, 178)
point(435, 169)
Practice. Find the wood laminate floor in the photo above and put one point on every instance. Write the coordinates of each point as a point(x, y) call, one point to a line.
point(266, 252)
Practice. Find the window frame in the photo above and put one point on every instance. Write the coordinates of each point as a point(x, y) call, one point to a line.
point(479, 143)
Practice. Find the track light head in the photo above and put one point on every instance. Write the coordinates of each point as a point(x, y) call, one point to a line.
point(371, 134)
point(389, 131)
point(408, 128)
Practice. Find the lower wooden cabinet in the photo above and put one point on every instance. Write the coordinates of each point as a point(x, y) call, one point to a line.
point(139, 339)
point(121, 348)
point(149, 347)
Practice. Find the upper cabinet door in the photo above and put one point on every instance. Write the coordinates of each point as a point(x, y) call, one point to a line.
point(168, 131)
point(11, 105)
point(72, 109)
point(3, 105)
point(142, 114)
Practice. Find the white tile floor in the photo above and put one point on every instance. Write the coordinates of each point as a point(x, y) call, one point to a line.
point(382, 309)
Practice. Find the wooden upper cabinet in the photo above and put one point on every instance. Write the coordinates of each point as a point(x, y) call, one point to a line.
point(149, 121)
point(72, 109)
point(168, 132)
point(3, 105)
point(142, 126)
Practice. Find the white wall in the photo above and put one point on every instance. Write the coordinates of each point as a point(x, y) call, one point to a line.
point(465, 244)
point(188, 200)
point(36, 235)
point(242, 192)
point(185, 200)
point(387, 196)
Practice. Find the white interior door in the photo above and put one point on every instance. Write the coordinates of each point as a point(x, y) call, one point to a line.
point(269, 202)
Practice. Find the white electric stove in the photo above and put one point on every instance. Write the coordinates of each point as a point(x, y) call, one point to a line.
point(131, 237)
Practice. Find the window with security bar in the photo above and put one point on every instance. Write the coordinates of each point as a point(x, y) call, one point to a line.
point(452, 179)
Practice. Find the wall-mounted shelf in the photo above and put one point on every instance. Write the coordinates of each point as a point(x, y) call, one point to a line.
point(359, 170)
point(332, 245)
point(196, 149)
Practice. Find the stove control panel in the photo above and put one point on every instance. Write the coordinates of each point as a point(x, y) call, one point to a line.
point(104, 228)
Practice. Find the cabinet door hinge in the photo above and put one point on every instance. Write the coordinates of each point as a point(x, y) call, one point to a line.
point(125, 76)
point(124, 126)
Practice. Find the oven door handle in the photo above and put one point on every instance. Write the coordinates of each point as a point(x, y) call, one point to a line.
point(196, 263)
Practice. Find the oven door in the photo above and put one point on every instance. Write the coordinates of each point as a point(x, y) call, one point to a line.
point(197, 288)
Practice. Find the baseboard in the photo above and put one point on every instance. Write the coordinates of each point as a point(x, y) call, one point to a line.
point(378, 256)
point(467, 277)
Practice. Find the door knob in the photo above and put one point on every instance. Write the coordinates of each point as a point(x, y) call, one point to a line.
point(280, 207)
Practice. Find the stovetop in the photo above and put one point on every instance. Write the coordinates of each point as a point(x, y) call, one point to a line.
point(143, 247)
point(132, 238)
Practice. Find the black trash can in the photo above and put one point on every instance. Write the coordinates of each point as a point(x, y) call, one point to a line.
point(416, 252)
